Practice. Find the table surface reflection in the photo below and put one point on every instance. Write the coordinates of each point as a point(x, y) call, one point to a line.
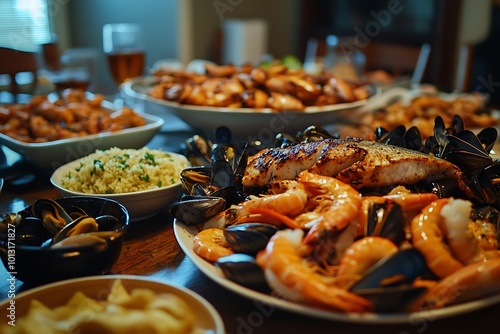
point(151, 250)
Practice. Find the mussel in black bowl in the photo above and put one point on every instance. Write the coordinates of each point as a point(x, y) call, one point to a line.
point(55, 241)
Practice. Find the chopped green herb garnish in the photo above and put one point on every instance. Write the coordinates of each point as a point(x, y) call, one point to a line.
point(149, 159)
point(144, 178)
point(99, 164)
point(159, 184)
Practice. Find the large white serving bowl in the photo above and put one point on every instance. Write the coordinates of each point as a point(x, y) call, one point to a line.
point(98, 287)
point(50, 155)
point(140, 204)
point(246, 122)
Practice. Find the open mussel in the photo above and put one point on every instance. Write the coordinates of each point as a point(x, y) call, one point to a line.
point(386, 220)
point(96, 240)
point(196, 175)
point(198, 150)
point(388, 283)
point(53, 215)
point(214, 186)
point(47, 224)
point(311, 133)
point(82, 224)
point(463, 148)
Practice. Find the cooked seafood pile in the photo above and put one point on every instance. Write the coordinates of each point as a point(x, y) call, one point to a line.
point(422, 111)
point(349, 225)
point(276, 87)
point(73, 115)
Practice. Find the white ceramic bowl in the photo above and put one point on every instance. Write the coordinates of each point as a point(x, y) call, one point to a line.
point(140, 204)
point(50, 155)
point(261, 124)
point(97, 287)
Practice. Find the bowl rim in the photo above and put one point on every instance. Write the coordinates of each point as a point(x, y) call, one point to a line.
point(55, 181)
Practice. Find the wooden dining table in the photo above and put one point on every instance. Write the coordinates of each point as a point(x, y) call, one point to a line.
point(151, 250)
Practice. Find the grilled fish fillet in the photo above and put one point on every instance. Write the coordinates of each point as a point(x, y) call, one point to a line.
point(360, 163)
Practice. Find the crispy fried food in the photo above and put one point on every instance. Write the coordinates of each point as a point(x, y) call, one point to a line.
point(140, 310)
point(276, 87)
point(422, 111)
point(73, 115)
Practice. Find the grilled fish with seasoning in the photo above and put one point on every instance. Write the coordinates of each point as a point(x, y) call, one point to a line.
point(360, 163)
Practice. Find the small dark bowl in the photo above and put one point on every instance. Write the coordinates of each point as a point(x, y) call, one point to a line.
point(39, 265)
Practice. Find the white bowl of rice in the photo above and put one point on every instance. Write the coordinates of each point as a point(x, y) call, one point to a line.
point(144, 180)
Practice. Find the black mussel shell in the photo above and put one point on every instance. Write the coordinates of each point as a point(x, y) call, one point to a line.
point(249, 238)
point(75, 211)
point(457, 125)
point(31, 232)
point(488, 138)
point(440, 131)
point(198, 150)
point(195, 175)
point(242, 269)
point(313, 133)
point(43, 206)
point(386, 220)
point(413, 139)
point(194, 210)
point(239, 162)
point(400, 269)
point(486, 185)
point(223, 135)
point(380, 133)
point(231, 194)
point(392, 299)
point(107, 222)
point(406, 265)
point(392, 137)
point(284, 140)
point(222, 174)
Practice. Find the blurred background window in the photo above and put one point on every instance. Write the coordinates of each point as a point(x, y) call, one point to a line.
point(24, 24)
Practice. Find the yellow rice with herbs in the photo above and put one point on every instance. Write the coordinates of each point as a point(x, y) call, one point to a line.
point(116, 171)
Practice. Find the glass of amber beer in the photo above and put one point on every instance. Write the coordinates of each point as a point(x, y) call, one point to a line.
point(123, 46)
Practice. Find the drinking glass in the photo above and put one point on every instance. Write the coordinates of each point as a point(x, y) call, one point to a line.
point(123, 46)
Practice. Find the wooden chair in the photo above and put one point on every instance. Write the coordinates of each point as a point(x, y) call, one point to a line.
point(13, 62)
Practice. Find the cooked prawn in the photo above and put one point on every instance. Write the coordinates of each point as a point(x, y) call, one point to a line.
point(474, 281)
point(290, 275)
point(461, 240)
point(275, 208)
point(339, 206)
point(460, 235)
point(429, 239)
point(360, 256)
point(211, 244)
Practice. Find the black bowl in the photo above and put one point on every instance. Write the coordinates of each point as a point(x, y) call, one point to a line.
point(39, 265)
